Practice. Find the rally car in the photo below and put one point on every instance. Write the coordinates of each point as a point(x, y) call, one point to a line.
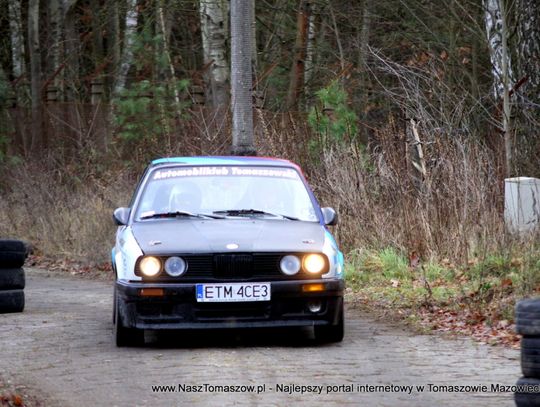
point(225, 242)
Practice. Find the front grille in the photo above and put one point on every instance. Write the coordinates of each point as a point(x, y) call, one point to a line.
point(238, 266)
point(233, 265)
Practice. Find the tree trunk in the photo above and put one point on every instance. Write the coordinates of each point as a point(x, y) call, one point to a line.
point(72, 49)
point(213, 14)
point(163, 71)
point(297, 70)
point(56, 49)
point(507, 129)
point(528, 46)
point(310, 48)
point(113, 43)
point(241, 75)
point(162, 29)
point(97, 36)
point(17, 38)
point(127, 52)
point(35, 76)
point(17, 45)
point(167, 50)
point(254, 59)
point(338, 39)
point(496, 20)
point(363, 45)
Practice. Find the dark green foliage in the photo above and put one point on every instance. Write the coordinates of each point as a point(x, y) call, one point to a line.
point(331, 118)
point(146, 109)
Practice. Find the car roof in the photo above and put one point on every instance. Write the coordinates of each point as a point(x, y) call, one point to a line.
point(225, 160)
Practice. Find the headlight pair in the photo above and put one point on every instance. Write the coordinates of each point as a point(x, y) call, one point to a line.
point(312, 263)
point(151, 266)
point(290, 265)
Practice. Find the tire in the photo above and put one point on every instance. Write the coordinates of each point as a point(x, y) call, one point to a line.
point(530, 357)
point(331, 333)
point(524, 399)
point(13, 253)
point(11, 301)
point(528, 317)
point(114, 307)
point(12, 279)
point(125, 336)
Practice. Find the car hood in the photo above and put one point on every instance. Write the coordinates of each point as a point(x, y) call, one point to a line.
point(168, 236)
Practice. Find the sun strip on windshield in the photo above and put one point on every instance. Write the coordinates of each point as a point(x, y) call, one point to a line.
point(224, 172)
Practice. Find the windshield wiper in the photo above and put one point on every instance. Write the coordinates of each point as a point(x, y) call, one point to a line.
point(247, 212)
point(174, 214)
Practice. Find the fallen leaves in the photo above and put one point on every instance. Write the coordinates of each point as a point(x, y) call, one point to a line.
point(11, 396)
point(414, 260)
point(506, 283)
point(471, 323)
point(98, 270)
point(11, 400)
point(482, 312)
point(475, 298)
point(17, 400)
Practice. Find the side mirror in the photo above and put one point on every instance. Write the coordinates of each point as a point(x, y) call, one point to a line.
point(329, 216)
point(121, 216)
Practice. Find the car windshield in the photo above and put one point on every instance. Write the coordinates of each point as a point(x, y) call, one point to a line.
point(226, 191)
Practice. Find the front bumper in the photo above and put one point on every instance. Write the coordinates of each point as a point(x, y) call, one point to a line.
point(179, 309)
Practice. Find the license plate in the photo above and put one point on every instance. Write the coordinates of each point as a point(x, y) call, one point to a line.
point(233, 292)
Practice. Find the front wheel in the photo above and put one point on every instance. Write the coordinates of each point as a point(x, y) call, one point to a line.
point(124, 336)
point(331, 333)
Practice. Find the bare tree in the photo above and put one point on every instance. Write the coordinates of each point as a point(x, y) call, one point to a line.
point(496, 22)
point(214, 16)
point(241, 75)
point(56, 48)
point(310, 47)
point(35, 75)
point(17, 44)
point(363, 44)
point(72, 50)
point(113, 42)
point(161, 28)
point(127, 51)
point(296, 81)
point(528, 30)
point(17, 38)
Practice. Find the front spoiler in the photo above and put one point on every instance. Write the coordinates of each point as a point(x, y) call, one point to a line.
point(178, 308)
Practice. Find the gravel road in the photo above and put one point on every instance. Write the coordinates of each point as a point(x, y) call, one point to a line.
point(62, 347)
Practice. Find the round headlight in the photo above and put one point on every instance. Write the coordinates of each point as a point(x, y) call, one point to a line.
point(150, 266)
point(175, 266)
point(290, 265)
point(314, 263)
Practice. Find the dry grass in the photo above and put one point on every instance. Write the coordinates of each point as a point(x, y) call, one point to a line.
point(62, 202)
point(62, 215)
point(454, 212)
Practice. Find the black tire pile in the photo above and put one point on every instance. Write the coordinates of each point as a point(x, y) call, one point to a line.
point(528, 325)
point(13, 253)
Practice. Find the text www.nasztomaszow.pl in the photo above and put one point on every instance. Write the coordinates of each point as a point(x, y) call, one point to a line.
point(209, 388)
point(344, 388)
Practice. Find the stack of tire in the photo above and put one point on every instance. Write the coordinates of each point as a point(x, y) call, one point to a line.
point(528, 325)
point(12, 256)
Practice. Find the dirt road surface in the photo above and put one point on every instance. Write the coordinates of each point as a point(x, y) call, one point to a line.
point(62, 347)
